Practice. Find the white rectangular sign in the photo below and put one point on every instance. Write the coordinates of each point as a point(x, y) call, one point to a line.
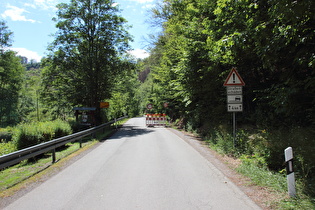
point(234, 99)
point(235, 107)
point(233, 90)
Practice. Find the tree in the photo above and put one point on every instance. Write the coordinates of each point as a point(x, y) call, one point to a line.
point(11, 76)
point(5, 36)
point(270, 42)
point(272, 45)
point(87, 51)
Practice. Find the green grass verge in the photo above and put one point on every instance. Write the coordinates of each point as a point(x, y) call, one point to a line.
point(277, 182)
point(14, 175)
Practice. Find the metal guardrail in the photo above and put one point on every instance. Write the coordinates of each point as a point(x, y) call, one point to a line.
point(18, 156)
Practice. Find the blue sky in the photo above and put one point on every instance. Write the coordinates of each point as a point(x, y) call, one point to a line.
point(32, 25)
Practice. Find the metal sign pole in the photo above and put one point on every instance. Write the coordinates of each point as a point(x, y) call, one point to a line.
point(234, 129)
point(234, 84)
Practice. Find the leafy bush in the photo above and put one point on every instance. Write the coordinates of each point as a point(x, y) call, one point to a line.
point(264, 149)
point(6, 134)
point(301, 140)
point(7, 147)
point(222, 141)
point(27, 135)
point(255, 168)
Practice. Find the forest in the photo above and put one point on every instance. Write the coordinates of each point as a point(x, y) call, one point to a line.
point(270, 43)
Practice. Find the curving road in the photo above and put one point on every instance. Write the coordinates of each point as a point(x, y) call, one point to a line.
point(138, 168)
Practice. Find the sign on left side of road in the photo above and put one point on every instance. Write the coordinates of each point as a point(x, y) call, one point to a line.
point(104, 105)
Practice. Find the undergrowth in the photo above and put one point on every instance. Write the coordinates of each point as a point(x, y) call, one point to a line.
point(262, 160)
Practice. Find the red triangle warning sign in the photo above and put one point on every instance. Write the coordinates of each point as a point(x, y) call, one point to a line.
point(234, 79)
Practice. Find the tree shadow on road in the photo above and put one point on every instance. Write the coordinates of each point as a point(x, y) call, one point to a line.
point(130, 131)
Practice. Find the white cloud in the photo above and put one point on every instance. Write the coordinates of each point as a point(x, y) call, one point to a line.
point(148, 6)
point(42, 4)
point(30, 5)
point(46, 4)
point(15, 13)
point(142, 1)
point(139, 53)
point(31, 55)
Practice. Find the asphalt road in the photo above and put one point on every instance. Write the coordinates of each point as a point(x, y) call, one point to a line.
point(138, 168)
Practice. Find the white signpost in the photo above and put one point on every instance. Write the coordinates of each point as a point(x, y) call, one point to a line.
point(235, 107)
point(234, 89)
point(234, 99)
point(288, 154)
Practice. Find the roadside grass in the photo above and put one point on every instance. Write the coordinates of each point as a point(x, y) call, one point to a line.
point(13, 175)
point(277, 183)
point(26, 169)
point(255, 168)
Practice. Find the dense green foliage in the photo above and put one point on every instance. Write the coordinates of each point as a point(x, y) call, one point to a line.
point(7, 147)
point(30, 134)
point(6, 144)
point(20, 87)
point(124, 100)
point(11, 77)
point(87, 55)
point(87, 64)
point(271, 43)
point(5, 36)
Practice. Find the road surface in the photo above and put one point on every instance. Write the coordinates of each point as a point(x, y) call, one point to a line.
point(138, 168)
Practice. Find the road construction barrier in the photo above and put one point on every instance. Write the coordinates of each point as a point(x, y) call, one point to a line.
point(155, 120)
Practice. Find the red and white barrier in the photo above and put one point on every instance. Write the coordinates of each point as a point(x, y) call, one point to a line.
point(155, 120)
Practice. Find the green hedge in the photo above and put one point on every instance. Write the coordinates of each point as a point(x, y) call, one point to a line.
point(6, 147)
point(27, 135)
point(6, 134)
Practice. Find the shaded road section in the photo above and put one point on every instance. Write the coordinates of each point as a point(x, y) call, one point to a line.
point(138, 168)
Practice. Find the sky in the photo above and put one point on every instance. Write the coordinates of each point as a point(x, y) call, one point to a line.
point(32, 25)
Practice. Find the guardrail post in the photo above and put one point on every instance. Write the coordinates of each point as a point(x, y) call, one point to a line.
point(54, 155)
point(80, 141)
